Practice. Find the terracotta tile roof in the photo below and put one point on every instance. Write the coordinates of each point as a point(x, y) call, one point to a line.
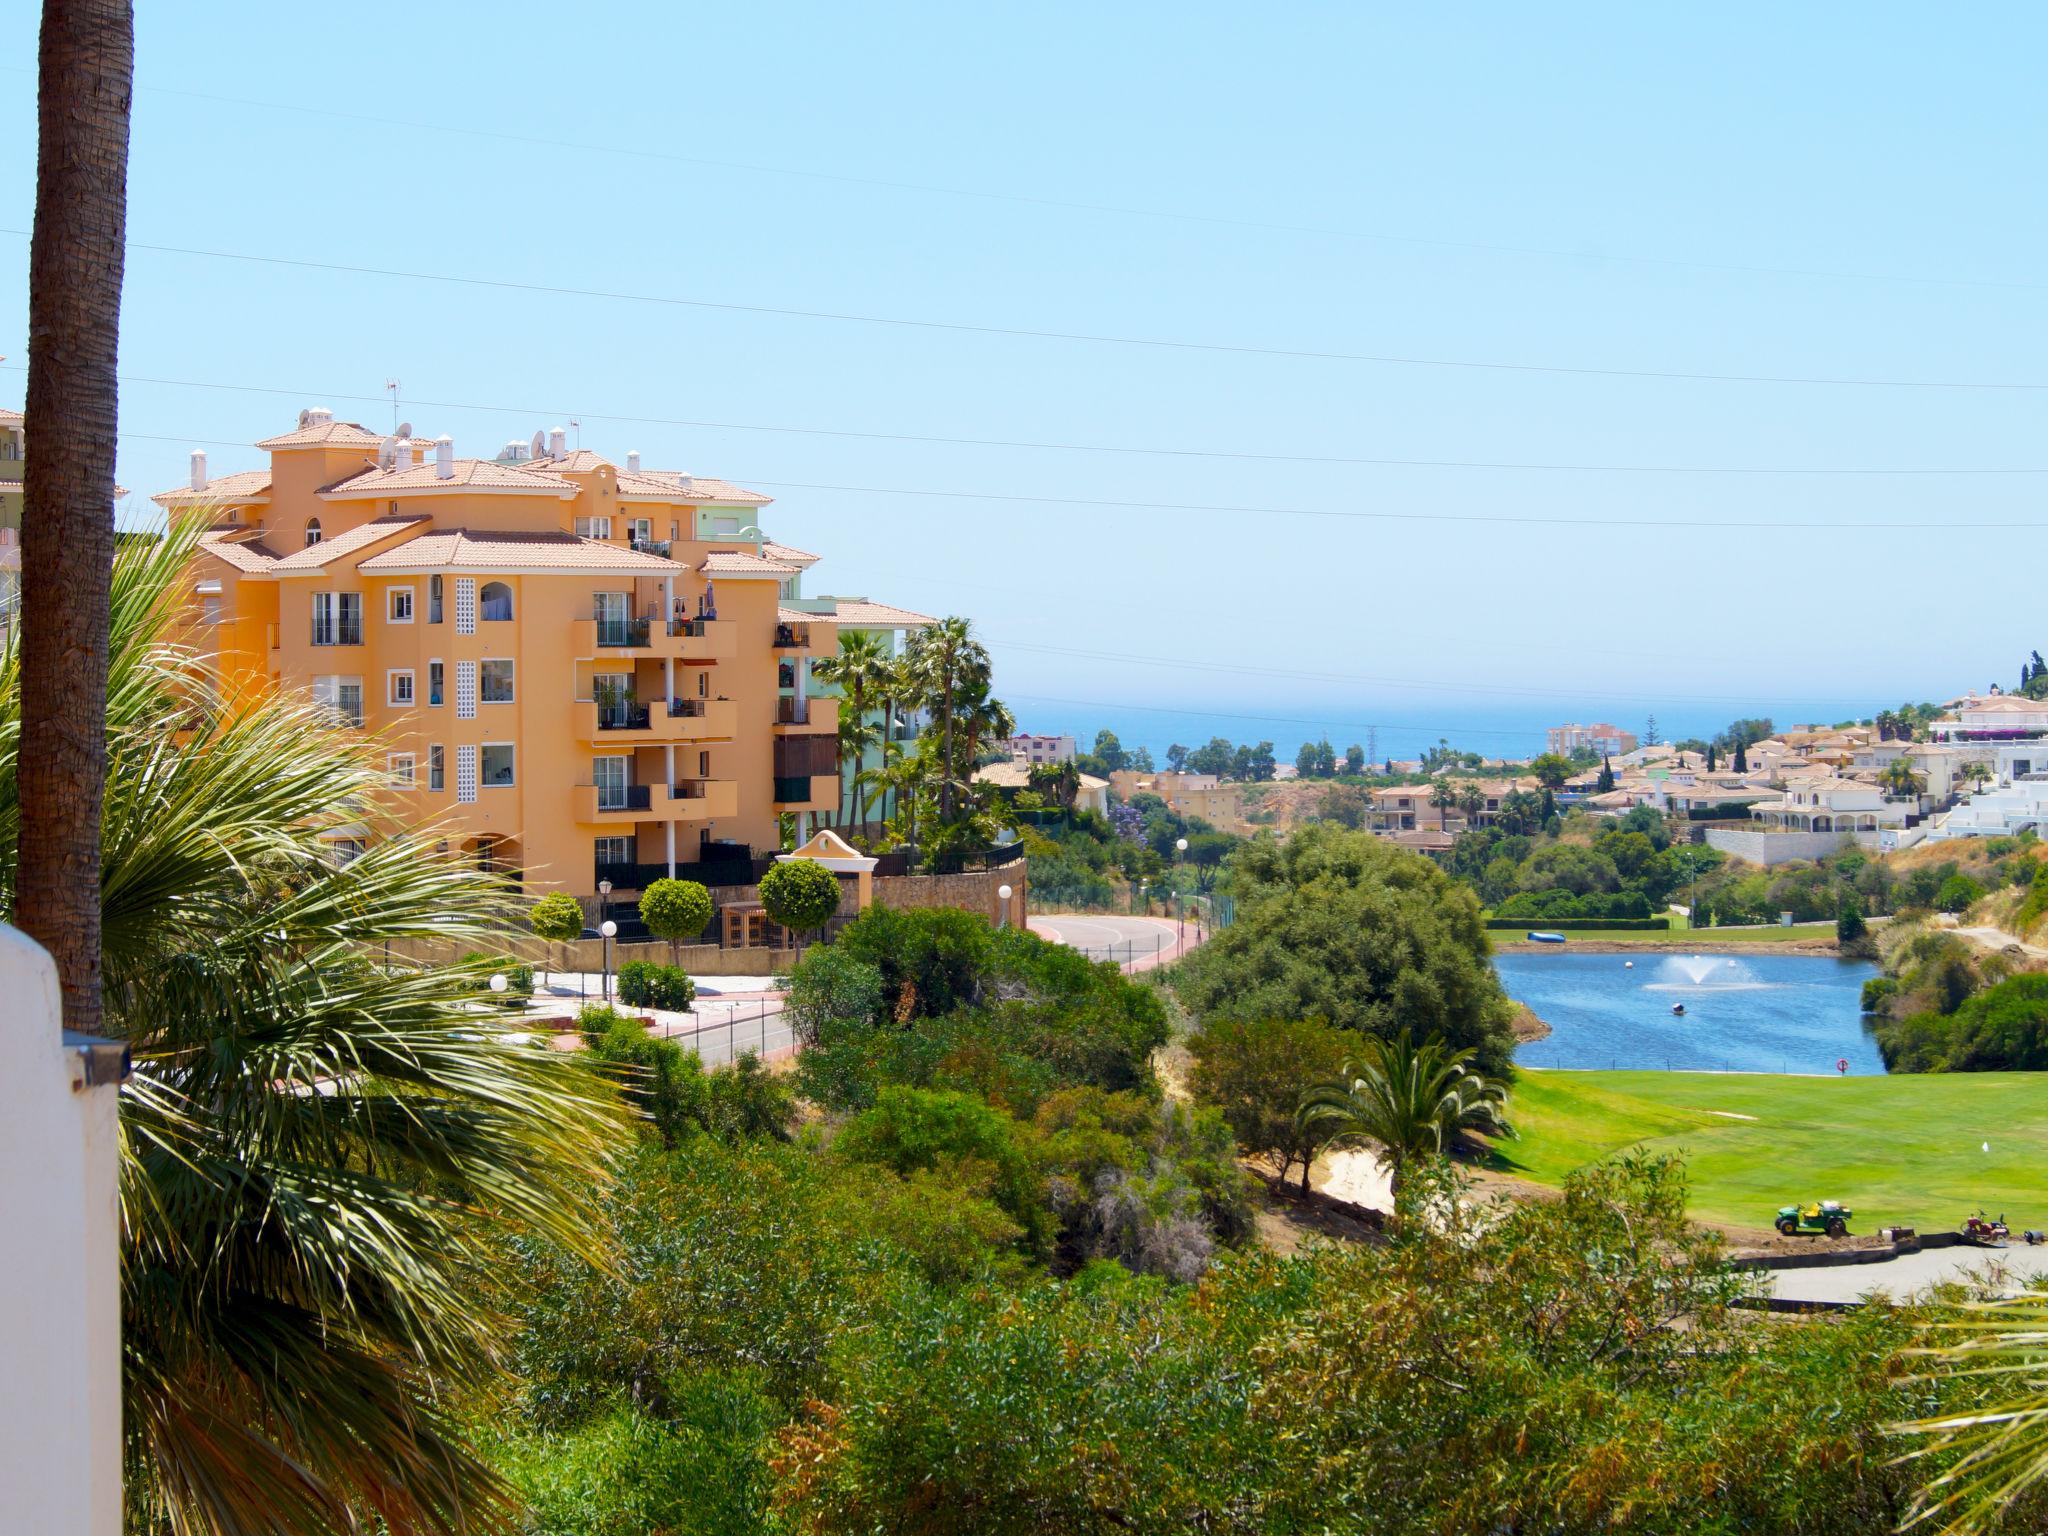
point(732, 564)
point(249, 555)
point(237, 489)
point(333, 434)
point(469, 475)
point(803, 616)
point(11, 418)
point(316, 557)
point(582, 461)
point(859, 613)
point(687, 490)
point(786, 554)
point(495, 551)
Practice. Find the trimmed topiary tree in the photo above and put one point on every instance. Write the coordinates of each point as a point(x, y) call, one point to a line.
point(800, 894)
point(557, 918)
point(675, 910)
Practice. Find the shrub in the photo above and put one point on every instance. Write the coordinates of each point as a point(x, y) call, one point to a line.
point(558, 918)
point(675, 910)
point(913, 1130)
point(1958, 893)
point(800, 894)
point(742, 1102)
point(518, 979)
point(643, 984)
point(1256, 1071)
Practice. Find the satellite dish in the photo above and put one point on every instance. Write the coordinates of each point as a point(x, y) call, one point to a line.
point(540, 443)
point(305, 418)
point(405, 429)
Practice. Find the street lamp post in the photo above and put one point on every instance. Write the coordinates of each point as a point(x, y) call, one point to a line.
point(604, 896)
point(1003, 894)
point(607, 930)
point(1180, 899)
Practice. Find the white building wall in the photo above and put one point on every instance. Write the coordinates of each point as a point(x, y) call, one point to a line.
point(60, 1265)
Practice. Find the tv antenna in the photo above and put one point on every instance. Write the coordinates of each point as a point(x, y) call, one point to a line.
point(392, 385)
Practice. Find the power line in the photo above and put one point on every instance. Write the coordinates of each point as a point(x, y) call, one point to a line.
point(1070, 204)
point(695, 424)
point(1095, 338)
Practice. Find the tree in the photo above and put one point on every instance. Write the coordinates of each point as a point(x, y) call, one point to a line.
point(1354, 758)
point(1110, 752)
point(1141, 760)
point(1471, 803)
point(1305, 760)
point(1410, 1100)
point(1176, 758)
point(1849, 926)
point(1257, 1071)
point(1550, 770)
point(1958, 893)
point(800, 894)
point(944, 663)
point(1742, 757)
point(1711, 759)
point(1650, 738)
point(1443, 795)
point(300, 1264)
point(1899, 779)
point(1605, 783)
point(1344, 927)
point(676, 910)
point(862, 671)
point(86, 68)
point(1216, 758)
point(558, 918)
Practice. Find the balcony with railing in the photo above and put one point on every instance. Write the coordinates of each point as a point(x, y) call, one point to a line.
point(798, 716)
point(628, 720)
point(704, 639)
point(703, 800)
point(598, 804)
point(792, 637)
point(814, 792)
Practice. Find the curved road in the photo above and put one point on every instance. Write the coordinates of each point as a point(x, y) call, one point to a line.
point(1136, 943)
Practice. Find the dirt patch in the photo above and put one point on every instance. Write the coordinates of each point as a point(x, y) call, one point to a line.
point(1526, 1025)
point(1286, 1220)
point(1762, 1243)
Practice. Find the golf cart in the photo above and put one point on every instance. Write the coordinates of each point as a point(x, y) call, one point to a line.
point(1829, 1216)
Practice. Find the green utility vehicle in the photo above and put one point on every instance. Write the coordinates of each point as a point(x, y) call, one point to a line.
point(1829, 1216)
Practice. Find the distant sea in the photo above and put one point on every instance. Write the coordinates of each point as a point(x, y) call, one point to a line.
point(1403, 730)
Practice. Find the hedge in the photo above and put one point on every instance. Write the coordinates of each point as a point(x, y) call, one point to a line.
point(1566, 924)
point(643, 984)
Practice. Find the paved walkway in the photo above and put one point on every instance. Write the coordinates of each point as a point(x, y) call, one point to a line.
point(1913, 1272)
point(1135, 943)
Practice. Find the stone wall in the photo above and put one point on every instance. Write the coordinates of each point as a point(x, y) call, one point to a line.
point(1768, 848)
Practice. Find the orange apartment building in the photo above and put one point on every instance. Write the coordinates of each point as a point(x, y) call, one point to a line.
point(577, 671)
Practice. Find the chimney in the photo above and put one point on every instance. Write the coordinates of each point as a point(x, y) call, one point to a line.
point(558, 441)
point(319, 416)
point(687, 482)
point(444, 458)
point(198, 469)
point(633, 460)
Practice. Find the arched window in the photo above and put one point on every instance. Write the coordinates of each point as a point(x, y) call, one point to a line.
point(497, 601)
point(312, 530)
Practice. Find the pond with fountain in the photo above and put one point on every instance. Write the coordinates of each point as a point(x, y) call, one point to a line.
point(1748, 1013)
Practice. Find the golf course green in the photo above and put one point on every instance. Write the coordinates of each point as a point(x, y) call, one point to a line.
point(1907, 1150)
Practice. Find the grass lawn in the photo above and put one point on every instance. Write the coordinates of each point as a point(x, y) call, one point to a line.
point(1673, 938)
point(1904, 1150)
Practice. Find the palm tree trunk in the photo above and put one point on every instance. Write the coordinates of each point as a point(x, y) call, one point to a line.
point(85, 89)
point(946, 774)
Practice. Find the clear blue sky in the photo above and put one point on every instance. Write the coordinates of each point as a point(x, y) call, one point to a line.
point(1593, 187)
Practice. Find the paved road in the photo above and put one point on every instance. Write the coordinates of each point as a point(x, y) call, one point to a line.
point(1137, 943)
point(1903, 1276)
point(1997, 939)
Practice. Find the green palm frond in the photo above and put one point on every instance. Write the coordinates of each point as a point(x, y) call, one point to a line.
point(1995, 1452)
point(320, 1152)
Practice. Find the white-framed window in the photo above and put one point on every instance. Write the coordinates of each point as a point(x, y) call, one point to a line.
point(643, 530)
point(496, 681)
point(496, 602)
point(346, 850)
point(610, 775)
point(398, 605)
point(337, 618)
point(400, 766)
point(465, 774)
point(312, 531)
point(594, 527)
point(465, 605)
point(703, 683)
point(341, 697)
point(437, 768)
point(614, 850)
point(497, 764)
point(436, 674)
point(465, 690)
point(398, 686)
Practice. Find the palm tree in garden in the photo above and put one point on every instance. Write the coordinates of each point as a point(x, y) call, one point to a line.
point(1411, 1100)
point(945, 664)
point(862, 673)
point(1443, 796)
point(85, 86)
point(1993, 1453)
point(319, 1153)
point(1472, 803)
point(857, 734)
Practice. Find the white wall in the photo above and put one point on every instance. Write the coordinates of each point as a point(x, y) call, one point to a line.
point(1769, 848)
point(60, 1298)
